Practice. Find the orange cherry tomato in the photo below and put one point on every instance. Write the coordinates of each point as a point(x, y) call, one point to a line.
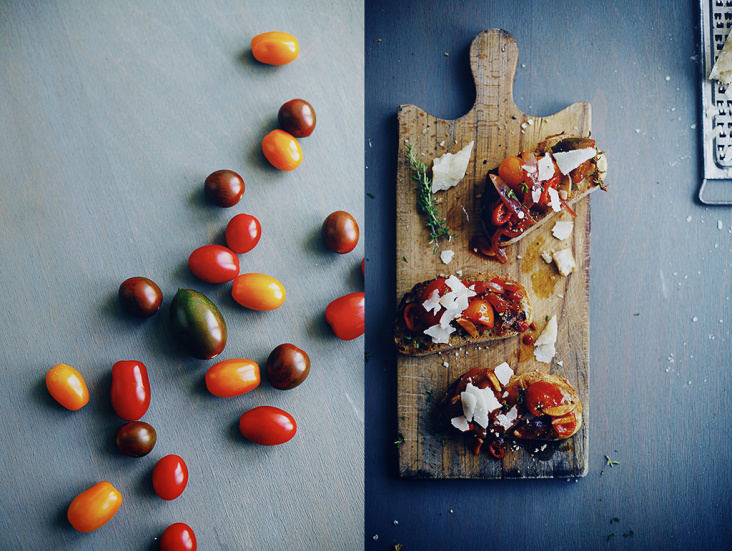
point(275, 48)
point(282, 150)
point(510, 170)
point(67, 387)
point(232, 377)
point(94, 507)
point(258, 291)
point(479, 311)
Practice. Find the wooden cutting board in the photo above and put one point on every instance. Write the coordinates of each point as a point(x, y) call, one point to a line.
point(498, 129)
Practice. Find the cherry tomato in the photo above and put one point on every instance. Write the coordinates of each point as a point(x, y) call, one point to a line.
point(140, 296)
point(428, 318)
point(287, 366)
point(130, 389)
point(242, 233)
point(413, 317)
point(282, 150)
point(542, 395)
point(297, 117)
point(178, 537)
point(197, 324)
point(214, 264)
point(258, 292)
point(170, 477)
point(565, 425)
point(136, 439)
point(224, 188)
point(233, 377)
point(275, 48)
point(267, 425)
point(67, 386)
point(345, 315)
point(479, 311)
point(340, 232)
point(510, 170)
point(94, 507)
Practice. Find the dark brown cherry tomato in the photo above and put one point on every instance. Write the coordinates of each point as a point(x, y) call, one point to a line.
point(130, 389)
point(170, 477)
point(267, 425)
point(140, 296)
point(340, 232)
point(178, 537)
point(214, 264)
point(136, 439)
point(542, 395)
point(242, 233)
point(224, 188)
point(287, 366)
point(345, 315)
point(297, 117)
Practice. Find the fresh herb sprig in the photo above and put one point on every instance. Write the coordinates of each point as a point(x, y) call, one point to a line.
point(426, 202)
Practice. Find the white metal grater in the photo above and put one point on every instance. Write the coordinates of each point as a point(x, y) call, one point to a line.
point(716, 188)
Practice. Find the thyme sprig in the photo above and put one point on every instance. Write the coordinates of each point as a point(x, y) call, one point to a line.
point(426, 202)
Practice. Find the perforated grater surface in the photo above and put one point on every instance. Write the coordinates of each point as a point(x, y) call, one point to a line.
point(716, 188)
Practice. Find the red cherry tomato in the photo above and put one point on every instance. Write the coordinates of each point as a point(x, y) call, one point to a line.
point(130, 389)
point(178, 537)
point(282, 150)
point(267, 425)
point(94, 507)
point(214, 264)
point(232, 377)
point(297, 117)
point(243, 233)
point(275, 48)
point(170, 477)
point(340, 232)
point(428, 318)
point(67, 386)
point(510, 170)
point(565, 425)
point(224, 188)
point(542, 395)
point(345, 315)
point(479, 311)
point(140, 296)
point(413, 317)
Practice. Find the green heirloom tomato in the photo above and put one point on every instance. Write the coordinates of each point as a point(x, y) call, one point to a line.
point(197, 324)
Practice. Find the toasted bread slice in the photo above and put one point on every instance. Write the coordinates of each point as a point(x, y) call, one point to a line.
point(417, 343)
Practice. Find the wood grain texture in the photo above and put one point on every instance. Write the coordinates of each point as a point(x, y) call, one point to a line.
point(113, 114)
point(498, 129)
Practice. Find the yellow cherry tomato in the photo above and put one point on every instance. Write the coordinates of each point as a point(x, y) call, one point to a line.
point(258, 291)
point(511, 170)
point(232, 377)
point(94, 507)
point(282, 150)
point(275, 48)
point(67, 387)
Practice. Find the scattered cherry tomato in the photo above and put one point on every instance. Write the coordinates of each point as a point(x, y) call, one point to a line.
point(170, 477)
point(258, 292)
point(275, 48)
point(178, 537)
point(340, 232)
point(267, 425)
point(511, 171)
point(197, 324)
point(345, 315)
point(136, 438)
point(542, 395)
point(224, 188)
point(242, 233)
point(67, 386)
point(287, 366)
point(282, 150)
point(297, 117)
point(130, 389)
point(94, 507)
point(214, 264)
point(140, 296)
point(233, 377)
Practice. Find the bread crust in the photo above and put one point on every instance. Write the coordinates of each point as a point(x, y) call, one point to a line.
point(422, 345)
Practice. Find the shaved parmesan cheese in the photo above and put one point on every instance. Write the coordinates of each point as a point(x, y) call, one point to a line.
point(554, 201)
point(722, 70)
point(536, 194)
point(546, 257)
point(546, 168)
point(469, 400)
point(562, 230)
point(460, 423)
point(564, 260)
point(503, 372)
point(449, 169)
point(567, 161)
point(545, 350)
point(507, 419)
point(446, 256)
point(432, 304)
point(439, 334)
point(478, 403)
